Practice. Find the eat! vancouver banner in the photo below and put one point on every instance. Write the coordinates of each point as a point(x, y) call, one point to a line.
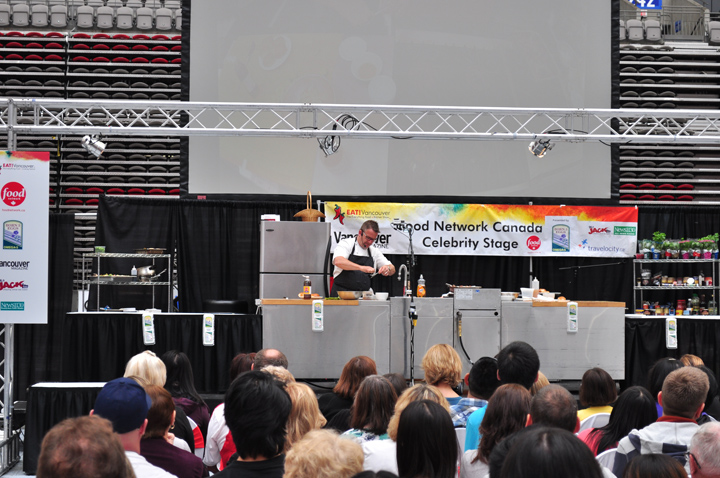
point(491, 230)
point(24, 216)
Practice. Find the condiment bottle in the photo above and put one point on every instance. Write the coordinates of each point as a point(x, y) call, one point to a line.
point(133, 273)
point(307, 288)
point(535, 284)
point(421, 287)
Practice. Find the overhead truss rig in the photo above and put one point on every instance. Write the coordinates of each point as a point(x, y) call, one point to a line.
point(146, 118)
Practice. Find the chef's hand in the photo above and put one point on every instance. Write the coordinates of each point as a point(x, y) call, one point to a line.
point(384, 270)
point(368, 269)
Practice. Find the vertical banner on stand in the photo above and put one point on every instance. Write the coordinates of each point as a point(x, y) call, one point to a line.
point(24, 215)
point(491, 229)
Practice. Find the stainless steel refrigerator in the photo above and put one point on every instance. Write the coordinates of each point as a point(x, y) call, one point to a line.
point(289, 250)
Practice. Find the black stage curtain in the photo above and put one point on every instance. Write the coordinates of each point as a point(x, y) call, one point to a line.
point(98, 345)
point(38, 347)
point(645, 344)
point(678, 222)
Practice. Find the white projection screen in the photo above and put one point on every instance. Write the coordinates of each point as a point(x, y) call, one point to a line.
point(527, 54)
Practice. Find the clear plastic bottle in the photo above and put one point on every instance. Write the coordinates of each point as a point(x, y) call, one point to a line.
point(535, 284)
point(133, 273)
point(421, 287)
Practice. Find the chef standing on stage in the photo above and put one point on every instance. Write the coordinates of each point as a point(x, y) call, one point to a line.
point(355, 260)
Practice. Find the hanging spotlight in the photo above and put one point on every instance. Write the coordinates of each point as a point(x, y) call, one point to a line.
point(329, 144)
point(93, 145)
point(540, 147)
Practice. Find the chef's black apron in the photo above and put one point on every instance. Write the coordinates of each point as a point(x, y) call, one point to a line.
point(354, 280)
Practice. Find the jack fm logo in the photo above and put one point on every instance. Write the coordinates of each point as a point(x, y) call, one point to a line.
point(339, 215)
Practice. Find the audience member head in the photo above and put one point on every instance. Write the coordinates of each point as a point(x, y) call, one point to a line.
point(266, 357)
point(518, 362)
point(147, 366)
point(549, 452)
point(256, 412)
point(442, 364)
point(426, 442)
point(499, 453)
point(324, 454)
point(683, 393)
point(506, 413)
point(658, 372)
point(280, 373)
point(242, 362)
point(398, 382)
point(413, 394)
point(353, 373)
point(597, 388)
point(83, 447)
point(713, 385)
point(482, 380)
point(690, 360)
point(541, 382)
point(704, 457)
point(373, 406)
point(634, 409)
point(124, 402)
point(375, 474)
point(553, 406)
point(161, 414)
point(654, 465)
point(180, 382)
point(304, 414)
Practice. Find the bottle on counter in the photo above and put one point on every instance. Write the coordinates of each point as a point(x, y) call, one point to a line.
point(701, 279)
point(421, 287)
point(535, 284)
point(133, 273)
point(307, 288)
point(712, 307)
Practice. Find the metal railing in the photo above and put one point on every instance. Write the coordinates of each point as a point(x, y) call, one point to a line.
point(677, 22)
point(9, 452)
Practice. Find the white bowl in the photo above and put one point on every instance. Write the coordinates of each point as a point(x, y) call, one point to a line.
point(381, 295)
point(548, 295)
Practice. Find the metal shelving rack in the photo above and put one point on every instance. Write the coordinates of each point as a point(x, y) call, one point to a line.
point(692, 262)
point(97, 282)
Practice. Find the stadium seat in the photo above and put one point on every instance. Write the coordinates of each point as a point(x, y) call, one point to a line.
point(85, 16)
point(20, 15)
point(163, 19)
point(714, 32)
point(39, 15)
point(124, 18)
point(144, 18)
point(623, 33)
point(178, 19)
point(104, 17)
point(635, 31)
point(4, 14)
point(652, 31)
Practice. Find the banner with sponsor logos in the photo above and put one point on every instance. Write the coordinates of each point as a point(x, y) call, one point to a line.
point(493, 230)
point(24, 184)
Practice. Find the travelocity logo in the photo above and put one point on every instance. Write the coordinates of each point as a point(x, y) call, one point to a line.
point(12, 305)
point(13, 194)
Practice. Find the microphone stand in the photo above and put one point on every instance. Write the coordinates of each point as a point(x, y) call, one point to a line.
point(407, 228)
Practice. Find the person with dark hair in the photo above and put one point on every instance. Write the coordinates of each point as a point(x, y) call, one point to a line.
point(218, 449)
point(549, 452)
point(398, 382)
point(154, 445)
point(242, 362)
point(181, 385)
point(355, 260)
point(654, 466)
point(518, 362)
point(482, 382)
point(656, 377)
point(597, 393)
point(553, 406)
point(342, 396)
point(683, 399)
point(506, 414)
point(372, 409)
point(426, 442)
point(83, 447)
point(256, 411)
point(634, 409)
point(265, 357)
point(375, 474)
point(125, 403)
point(711, 412)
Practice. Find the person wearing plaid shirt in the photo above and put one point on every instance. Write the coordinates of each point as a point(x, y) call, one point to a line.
point(481, 382)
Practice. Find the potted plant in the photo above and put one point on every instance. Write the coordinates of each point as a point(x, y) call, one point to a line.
point(709, 245)
point(658, 240)
point(685, 247)
point(672, 249)
point(696, 249)
point(647, 248)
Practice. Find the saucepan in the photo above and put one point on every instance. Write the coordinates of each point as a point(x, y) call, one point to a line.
point(147, 273)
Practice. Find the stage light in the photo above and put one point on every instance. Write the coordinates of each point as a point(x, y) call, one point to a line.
point(540, 147)
point(329, 144)
point(93, 145)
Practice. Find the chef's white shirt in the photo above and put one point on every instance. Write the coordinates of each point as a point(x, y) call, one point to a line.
point(345, 246)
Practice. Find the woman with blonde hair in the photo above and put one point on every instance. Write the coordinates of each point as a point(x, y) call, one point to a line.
point(304, 416)
point(443, 369)
point(323, 454)
point(147, 369)
point(381, 454)
point(541, 382)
